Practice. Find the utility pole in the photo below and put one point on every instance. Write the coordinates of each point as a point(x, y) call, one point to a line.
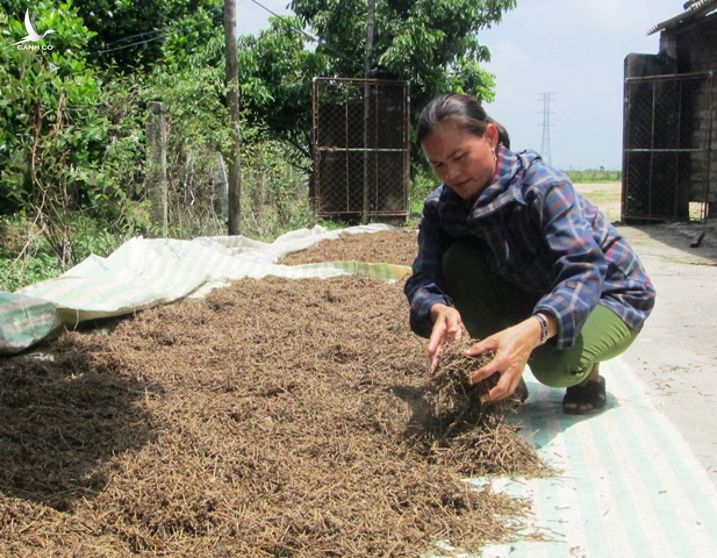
point(366, 102)
point(545, 142)
point(234, 170)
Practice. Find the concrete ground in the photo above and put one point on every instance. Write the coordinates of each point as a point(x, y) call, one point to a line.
point(676, 353)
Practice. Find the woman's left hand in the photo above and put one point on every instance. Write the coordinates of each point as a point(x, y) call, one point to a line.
point(512, 347)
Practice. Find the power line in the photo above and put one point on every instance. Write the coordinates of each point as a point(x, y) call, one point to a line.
point(131, 45)
point(158, 31)
point(307, 35)
point(160, 34)
point(128, 37)
point(266, 9)
point(284, 18)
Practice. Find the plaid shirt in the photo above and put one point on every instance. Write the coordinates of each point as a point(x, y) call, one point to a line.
point(545, 238)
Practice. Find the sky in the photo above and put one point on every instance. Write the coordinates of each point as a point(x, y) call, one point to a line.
point(573, 49)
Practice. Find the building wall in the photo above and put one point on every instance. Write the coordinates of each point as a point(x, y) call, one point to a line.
point(692, 48)
point(696, 45)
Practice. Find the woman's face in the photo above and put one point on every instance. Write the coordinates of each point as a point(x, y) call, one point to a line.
point(462, 160)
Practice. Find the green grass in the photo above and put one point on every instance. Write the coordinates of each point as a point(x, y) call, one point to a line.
point(26, 257)
point(604, 196)
point(15, 274)
point(593, 176)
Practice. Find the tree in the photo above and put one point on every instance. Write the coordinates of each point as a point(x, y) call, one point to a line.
point(50, 130)
point(275, 72)
point(432, 43)
point(129, 34)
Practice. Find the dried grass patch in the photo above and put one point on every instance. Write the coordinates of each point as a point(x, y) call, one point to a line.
point(273, 418)
point(393, 247)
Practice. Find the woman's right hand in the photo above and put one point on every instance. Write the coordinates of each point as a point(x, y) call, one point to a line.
point(446, 327)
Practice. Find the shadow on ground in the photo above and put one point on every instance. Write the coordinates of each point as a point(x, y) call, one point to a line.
point(688, 243)
point(541, 419)
point(61, 420)
point(685, 241)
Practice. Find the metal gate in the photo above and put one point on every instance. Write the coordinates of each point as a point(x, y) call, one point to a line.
point(360, 147)
point(667, 147)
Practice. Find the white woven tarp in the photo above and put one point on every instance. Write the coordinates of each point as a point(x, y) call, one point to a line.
point(147, 272)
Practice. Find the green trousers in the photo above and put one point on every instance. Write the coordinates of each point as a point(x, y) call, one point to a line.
point(489, 303)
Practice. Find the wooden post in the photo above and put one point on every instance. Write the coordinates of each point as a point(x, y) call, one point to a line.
point(221, 191)
point(366, 103)
point(233, 104)
point(156, 170)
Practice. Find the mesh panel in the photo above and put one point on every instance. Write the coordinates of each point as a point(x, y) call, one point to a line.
point(637, 179)
point(351, 151)
point(667, 158)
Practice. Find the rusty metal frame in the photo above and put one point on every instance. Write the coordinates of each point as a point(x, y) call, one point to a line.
point(706, 148)
point(318, 149)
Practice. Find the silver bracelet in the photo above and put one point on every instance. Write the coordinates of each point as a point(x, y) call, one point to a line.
point(543, 321)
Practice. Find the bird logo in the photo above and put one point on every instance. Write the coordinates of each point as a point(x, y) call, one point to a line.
point(32, 35)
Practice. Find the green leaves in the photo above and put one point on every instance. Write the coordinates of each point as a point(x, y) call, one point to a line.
point(432, 43)
point(45, 92)
point(54, 131)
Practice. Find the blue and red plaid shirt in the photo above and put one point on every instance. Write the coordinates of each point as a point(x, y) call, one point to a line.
point(544, 237)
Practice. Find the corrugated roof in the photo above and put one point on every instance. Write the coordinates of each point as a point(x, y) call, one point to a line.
point(693, 10)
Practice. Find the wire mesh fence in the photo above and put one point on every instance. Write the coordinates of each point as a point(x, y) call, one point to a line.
point(360, 147)
point(187, 184)
point(668, 147)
